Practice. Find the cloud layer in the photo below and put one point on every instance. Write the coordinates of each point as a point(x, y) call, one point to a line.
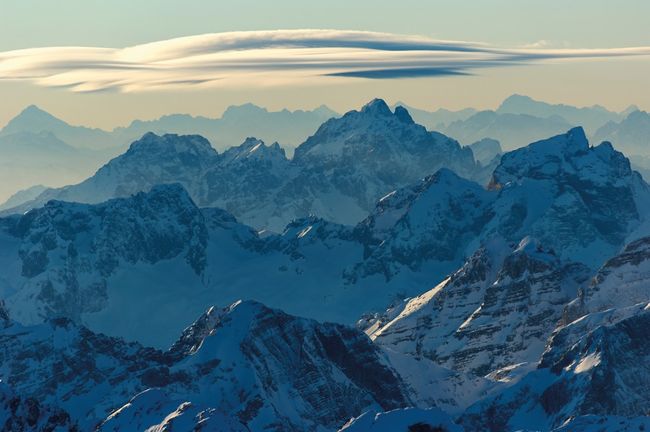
point(265, 58)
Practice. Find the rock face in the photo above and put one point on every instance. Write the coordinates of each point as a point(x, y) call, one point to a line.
point(338, 173)
point(61, 364)
point(622, 281)
point(18, 413)
point(496, 311)
point(594, 366)
point(247, 365)
point(592, 374)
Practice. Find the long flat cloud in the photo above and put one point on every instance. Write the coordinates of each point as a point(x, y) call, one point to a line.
point(264, 58)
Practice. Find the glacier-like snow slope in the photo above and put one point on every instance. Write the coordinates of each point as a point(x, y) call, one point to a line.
point(338, 173)
point(244, 365)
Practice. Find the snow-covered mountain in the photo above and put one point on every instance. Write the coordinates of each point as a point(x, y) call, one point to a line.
point(581, 201)
point(338, 173)
point(94, 263)
point(246, 366)
point(434, 221)
point(565, 365)
point(596, 365)
point(537, 318)
point(496, 311)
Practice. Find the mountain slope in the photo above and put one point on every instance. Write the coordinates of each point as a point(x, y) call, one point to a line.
point(496, 311)
point(594, 366)
point(245, 365)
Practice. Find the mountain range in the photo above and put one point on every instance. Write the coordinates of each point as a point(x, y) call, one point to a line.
point(38, 148)
point(338, 173)
point(518, 121)
point(384, 278)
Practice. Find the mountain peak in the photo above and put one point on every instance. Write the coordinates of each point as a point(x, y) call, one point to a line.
point(403, 115)
point(377, 107)
point(516, 97)
point(193, 336)
point(34, 109)
point(253, 148)
point(577, 139)
point(638, 116)
point(151, 143)
point(630, 109)
point(568, 153)
point(572, 142)
point(236, 111)
point(34, 119)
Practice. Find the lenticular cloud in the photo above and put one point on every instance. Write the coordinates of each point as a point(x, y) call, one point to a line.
point(264, 58)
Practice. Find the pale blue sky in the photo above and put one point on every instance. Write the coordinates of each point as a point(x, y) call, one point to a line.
point(508, 23)
point(117, 23)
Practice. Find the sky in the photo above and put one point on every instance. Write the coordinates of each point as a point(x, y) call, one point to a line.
point(477, 78)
